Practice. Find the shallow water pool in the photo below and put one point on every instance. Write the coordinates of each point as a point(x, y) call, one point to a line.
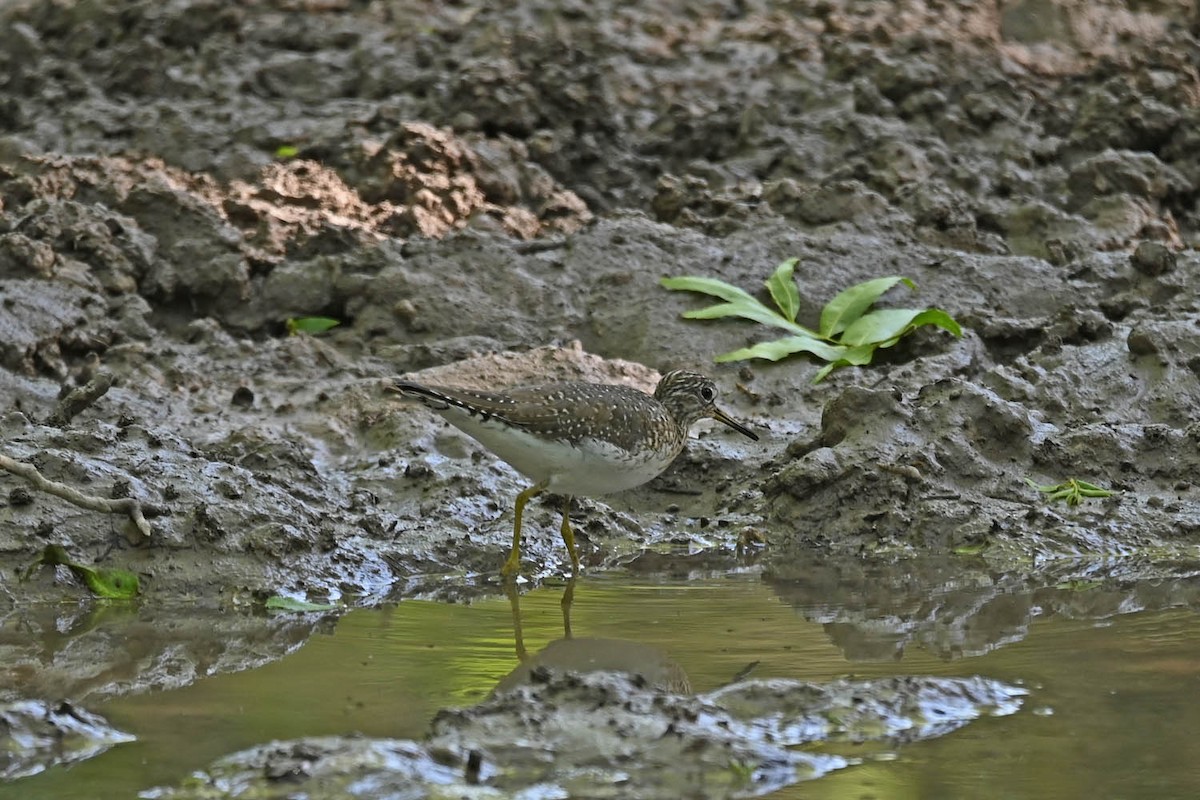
point(1111, 713)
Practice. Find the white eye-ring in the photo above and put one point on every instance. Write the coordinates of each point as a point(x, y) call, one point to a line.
point(708, 394)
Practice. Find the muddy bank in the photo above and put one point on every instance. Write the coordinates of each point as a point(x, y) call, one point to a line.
point(489, 196)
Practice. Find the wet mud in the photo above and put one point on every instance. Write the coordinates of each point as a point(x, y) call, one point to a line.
point(488, 195)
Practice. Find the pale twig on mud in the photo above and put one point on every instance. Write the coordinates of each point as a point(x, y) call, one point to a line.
point(124, 505)
point(79, 398)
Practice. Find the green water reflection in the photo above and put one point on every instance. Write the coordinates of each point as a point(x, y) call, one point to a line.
point(1111, 715)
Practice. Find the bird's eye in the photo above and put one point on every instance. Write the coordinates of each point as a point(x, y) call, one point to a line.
point(708, 394)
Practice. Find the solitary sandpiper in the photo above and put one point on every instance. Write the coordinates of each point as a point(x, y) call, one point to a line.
point(578, 438)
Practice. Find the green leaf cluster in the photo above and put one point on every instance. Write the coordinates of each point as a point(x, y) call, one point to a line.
point(1072, 491)
point(849, 332)
point(111, 584)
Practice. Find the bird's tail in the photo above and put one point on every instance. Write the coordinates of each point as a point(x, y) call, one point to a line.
point(428, 396)
point(456, 404)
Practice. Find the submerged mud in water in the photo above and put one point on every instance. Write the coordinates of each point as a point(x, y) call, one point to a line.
point(1105, 678)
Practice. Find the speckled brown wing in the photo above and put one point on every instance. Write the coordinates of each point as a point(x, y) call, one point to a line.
point(568, 411)
point(620, 415)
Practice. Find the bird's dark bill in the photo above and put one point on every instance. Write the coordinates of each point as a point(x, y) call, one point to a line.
point(721, 416)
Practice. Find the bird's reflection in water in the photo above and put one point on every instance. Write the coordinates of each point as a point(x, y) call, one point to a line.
point(588, 654)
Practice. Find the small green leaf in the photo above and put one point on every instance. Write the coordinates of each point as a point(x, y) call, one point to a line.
point(855, 356)
point(287, 151)
point(970, 549)
point(885, 326)
point(113, 584)
point(297, 325)
point(859, 354)
point(738, 303)
point(721, 289)
point(824, 371)
point(752, 310)
point(850, 304)
point(879, 326)
point(281, 603)
point(939, 319)
point(781, 348)
point(782, 286)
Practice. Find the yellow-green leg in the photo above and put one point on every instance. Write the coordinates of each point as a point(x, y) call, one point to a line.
point(514, 605)
point(513, 564)
point(568, 536)
point(568, 599)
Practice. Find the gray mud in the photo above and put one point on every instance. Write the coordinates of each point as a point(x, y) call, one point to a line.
point(488, 195)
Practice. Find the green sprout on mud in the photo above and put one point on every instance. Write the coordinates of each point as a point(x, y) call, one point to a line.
point(849, 333)
point(1071, 490)
point(286, 151)
point(110, 584)
point(298, 325)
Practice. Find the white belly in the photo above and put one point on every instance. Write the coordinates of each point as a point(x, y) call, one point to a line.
point(590, 468)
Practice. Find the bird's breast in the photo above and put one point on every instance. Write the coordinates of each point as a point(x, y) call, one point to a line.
point(594, 467)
